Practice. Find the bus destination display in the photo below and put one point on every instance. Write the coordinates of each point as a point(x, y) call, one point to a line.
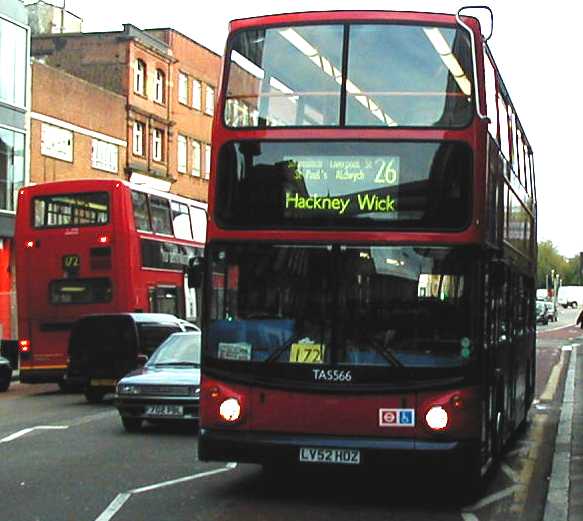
point(342, 185)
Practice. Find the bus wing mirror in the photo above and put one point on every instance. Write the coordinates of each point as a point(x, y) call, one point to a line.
point(195, 272)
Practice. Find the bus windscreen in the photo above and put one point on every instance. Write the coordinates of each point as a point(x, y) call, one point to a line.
point(65, 210)
point(326, 305)
point(345, 184)
point(354, 75)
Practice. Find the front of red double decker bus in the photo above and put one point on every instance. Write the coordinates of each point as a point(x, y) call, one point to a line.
point(342, 283)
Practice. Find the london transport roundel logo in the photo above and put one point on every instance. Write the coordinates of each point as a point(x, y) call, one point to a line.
point(396, 417)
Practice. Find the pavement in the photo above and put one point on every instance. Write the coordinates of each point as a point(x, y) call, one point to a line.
point(565, 494)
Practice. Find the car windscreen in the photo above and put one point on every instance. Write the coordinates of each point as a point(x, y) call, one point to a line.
point(178, 349)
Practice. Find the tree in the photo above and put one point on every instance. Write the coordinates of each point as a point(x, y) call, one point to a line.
point(548, 259)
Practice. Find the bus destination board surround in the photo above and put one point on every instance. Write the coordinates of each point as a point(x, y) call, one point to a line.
point(345, 183)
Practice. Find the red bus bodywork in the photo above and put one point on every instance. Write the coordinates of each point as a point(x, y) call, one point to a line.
point(111, 251)
point(275, 422)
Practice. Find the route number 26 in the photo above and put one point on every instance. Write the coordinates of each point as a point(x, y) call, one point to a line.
point(387, 173)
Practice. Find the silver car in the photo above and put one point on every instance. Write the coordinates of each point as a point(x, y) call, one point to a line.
point(166, 387)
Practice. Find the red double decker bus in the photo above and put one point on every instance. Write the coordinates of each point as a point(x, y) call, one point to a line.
point(98, 246)
point(371, 250)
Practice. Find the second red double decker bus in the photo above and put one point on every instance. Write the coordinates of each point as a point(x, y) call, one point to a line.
point(98, 246)
point(371, 249)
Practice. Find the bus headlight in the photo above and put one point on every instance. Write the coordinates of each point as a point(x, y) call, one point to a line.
point(230, 410)
point(437, 418)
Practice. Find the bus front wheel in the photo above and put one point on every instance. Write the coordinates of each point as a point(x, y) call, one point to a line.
point(469, 482)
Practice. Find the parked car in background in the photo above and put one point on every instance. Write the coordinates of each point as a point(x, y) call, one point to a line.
point(552, 311)
point(541, 313)
point(5, 374)
point(566, 303)
point(166, 387)
point(105, 347)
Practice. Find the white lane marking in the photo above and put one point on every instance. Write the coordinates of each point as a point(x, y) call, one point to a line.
point(468, 516)
point(18, 434)
point(114, 507)
point(179, 480)
point(556, 329)
point(493, 498)
point(557, 502)
point(119, 501)
point(511, 473)
point(553, 381)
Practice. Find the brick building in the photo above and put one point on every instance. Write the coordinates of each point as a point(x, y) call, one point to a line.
point(69, 141)
point(167, 83)
point(14, 127)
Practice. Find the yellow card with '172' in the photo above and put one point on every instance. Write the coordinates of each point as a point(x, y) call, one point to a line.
point(307, 353)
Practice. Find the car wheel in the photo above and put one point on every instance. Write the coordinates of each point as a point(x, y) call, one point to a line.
point(66, 387)
point(94, 395)
point(131, 424)
point(4, 385)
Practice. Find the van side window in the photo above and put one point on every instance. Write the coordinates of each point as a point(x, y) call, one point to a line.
point(152, 335)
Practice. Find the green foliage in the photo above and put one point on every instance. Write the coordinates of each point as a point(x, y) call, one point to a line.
point(549, 258)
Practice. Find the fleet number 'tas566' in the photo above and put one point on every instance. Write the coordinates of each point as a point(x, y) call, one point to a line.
point(332, 375)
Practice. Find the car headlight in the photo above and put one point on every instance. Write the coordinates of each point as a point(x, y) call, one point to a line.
point(128, 389)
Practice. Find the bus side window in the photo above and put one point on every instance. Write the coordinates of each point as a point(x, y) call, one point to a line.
point(181, 221)
point(165, 299)
point(141, 213)
point(160, 210)
point(198, 223)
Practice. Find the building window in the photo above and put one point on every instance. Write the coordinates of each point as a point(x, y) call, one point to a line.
point(196, 94)
point(56, 142)
point(182, 153)
point(159, 86)
point(11, 167)
point(157, 140)
point(104, 156)
point(196, 158)
point(138, 139)
point(207, 161)
point(139, 77)
point(13, 41)
point(182, 88)
point(209, 105)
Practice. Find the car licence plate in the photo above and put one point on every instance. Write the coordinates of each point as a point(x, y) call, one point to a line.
point(338, 456)
point(164, 410)
point(102, 382)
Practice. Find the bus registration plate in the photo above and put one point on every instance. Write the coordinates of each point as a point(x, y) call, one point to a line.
point(338, 456)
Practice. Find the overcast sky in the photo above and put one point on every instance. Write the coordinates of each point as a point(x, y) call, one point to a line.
point(539, 57)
